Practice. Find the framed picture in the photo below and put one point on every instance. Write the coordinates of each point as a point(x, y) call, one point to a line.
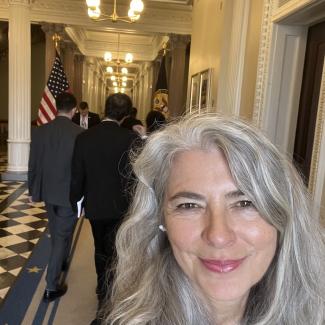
point(195, 93)
point(205, 90)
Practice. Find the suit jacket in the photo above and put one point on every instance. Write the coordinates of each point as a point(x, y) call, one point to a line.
point(49, 166)
point(93, 119)
point(101, 170)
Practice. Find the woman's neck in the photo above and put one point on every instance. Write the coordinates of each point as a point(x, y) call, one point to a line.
point(228, 312)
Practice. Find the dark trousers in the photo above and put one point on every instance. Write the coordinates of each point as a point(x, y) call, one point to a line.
point(61, 223)
point(104, 233)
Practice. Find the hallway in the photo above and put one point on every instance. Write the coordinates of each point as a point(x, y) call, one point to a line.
point(24, 249)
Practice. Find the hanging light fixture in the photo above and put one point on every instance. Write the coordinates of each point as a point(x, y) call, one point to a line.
point(94, 12)
point(119, 82)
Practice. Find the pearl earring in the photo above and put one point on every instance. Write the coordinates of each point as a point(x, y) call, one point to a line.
point(162, 228)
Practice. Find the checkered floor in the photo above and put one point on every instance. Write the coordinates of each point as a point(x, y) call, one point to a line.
point(7, 188)
point(21, 226)
point(3, 162)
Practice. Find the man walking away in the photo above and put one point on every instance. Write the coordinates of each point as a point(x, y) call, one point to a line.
point(49, 173)
point(100, 171)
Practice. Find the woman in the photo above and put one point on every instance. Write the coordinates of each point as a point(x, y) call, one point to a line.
point(220, 232)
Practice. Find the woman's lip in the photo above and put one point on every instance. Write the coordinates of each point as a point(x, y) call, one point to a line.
point(222, 266)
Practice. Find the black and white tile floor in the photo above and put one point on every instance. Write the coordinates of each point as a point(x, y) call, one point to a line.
point(24, 253)
point(21, 226)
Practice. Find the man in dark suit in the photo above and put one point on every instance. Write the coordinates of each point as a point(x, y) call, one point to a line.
point(100, 173)
point(85, 118)
point(49, 171)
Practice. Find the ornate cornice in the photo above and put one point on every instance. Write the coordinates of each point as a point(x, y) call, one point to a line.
point(50, 28)
point(179, 41)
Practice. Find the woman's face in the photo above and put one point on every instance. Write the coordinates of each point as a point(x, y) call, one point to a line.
point(217, 236)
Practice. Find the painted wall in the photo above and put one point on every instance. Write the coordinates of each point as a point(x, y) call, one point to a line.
point(38, 77)
point(251, 58)
point(207, 39)
point(37, 83)
point(214, 45)
point(4, 88)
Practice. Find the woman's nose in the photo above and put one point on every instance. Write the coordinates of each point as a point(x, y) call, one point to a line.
point(218, 230)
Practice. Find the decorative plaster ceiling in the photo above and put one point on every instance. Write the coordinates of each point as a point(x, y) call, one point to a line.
point(143, 39)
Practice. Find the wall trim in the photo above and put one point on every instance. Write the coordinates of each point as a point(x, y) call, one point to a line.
point(267, 79)
point(317, 173)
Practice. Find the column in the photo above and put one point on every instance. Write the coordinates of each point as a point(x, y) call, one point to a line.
point(94, 104)
point(155, 72)
point(85, 95)
point(102, 99)
point(78, 76)
point(177, 78)
point(50, 29)
point(100, 90)
point(19, 90)
point(68, 62)
point(149, 86)
point(90, 85)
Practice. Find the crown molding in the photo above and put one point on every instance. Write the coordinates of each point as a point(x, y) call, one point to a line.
point(78, 37)
point(155, 19)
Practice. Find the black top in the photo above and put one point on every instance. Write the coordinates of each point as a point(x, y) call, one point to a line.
point(93, 119)
point(101, 170)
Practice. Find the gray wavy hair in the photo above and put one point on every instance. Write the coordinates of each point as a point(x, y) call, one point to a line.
point(150, 288)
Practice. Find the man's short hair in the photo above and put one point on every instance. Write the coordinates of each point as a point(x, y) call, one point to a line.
point(83, 105)
point(65, 102)
point(118, 106)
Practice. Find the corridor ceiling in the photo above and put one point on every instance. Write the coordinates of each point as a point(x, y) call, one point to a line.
point(143, 38)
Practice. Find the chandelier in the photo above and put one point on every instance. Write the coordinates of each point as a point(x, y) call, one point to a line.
point(94, 12)
point(118, 74)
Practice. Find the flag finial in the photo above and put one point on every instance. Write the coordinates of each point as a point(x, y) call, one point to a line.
point(56, 38)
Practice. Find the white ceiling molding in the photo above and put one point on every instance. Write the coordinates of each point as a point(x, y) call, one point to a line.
point(293, 12)
point(96, 43)
point(144, 39)
point(158, 19)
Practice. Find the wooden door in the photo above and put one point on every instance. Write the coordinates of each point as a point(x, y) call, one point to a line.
point(309, 97)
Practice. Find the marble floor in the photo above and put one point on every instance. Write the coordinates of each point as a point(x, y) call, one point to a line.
point(24, 251)
point(21, 226)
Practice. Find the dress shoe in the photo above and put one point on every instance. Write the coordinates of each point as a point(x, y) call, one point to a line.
point(65, 266)
point(50, 295)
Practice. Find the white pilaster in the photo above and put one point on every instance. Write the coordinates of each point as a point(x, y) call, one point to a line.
point(231, 72)
point(94, 103)
point(19, 89)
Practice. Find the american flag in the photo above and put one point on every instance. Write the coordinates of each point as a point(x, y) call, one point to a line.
point(56, 84)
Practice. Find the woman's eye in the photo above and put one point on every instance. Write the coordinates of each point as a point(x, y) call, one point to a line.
point(244, 204)
point(187, 206)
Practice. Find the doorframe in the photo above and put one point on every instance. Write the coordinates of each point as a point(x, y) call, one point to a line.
point(278, 84)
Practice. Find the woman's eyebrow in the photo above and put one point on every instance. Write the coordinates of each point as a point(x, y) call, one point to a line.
point(234, 194)
point(188, 195)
